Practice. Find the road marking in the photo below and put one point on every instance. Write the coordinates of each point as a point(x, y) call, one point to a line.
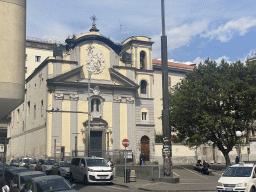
point(218, 174)
point(123, 189)
point(193, 172)
point(175, 174)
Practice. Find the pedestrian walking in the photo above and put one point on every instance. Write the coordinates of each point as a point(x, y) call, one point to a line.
point(142, 159)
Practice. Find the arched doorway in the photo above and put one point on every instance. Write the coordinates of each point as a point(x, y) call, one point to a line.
point(145, 147)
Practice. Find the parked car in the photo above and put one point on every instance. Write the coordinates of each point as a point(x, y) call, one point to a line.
point(11, 172)
point(61, 168)
point(45, 165)
point(20, 179)
point(23, 161)
point(90, 169)
point(31, 164)
point(3, 166)
point(14, 162)
point(48, 183)
point(238, 177)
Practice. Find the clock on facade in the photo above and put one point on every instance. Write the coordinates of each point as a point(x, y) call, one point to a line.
point(95, 62)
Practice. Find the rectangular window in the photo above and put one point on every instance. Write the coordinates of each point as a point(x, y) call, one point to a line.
point(169, 81)
point(42, 108)
point(144, 116)
point(34, 111)
point(28, 110)
point(37, 58)
point(26, 57)
point(18, 114)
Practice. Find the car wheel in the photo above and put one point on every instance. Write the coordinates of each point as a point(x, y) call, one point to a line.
point(71, 178)
point(85, 180)
point(252, 189)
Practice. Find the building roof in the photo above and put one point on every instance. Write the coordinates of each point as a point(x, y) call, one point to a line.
point(174, 65)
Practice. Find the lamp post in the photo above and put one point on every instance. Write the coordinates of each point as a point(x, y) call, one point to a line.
point(239, 134)
point(167, 145)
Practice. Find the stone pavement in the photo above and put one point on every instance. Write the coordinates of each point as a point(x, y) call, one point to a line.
point(190, 180)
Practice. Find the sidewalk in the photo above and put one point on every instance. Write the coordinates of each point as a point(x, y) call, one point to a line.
point(144, 185)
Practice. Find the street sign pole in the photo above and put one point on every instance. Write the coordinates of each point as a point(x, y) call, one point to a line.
point(125, 165)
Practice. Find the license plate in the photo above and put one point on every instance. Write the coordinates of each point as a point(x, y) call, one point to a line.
point(103, 177)
point(228, 189)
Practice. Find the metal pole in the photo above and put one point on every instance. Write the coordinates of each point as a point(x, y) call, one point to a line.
point(55, 149)
point(167, 155)
point(75, 146)
point(4, 157)
point(125, 165)
point(89, 113)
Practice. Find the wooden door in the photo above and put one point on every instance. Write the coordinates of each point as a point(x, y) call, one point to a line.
point(145, 147)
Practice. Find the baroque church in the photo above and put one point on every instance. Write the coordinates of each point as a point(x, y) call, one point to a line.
point(119, 84)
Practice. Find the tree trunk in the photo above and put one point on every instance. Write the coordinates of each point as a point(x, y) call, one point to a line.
point(226, 156)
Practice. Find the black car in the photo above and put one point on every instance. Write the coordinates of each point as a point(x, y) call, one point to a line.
point(48, 183)
point(11, 172)
point(20, 179)
point(3, 166)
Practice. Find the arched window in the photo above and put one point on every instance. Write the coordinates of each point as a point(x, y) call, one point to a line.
point(95, 105)
point(143, 87)
point(142, 60)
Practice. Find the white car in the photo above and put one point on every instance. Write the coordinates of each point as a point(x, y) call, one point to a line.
point(23, 161)
point(239, 177)
point(90, 170)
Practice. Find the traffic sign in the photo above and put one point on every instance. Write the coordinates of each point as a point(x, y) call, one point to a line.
point(126, 142)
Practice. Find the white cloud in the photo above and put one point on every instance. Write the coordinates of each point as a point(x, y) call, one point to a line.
point(179, 36)
point(247, 56)
point(225, 33)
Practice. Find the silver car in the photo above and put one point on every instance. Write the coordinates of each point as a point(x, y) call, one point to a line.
point(61, 168)
point(45, 165)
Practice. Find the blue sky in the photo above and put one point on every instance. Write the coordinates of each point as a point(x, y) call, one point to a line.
point(196, 29)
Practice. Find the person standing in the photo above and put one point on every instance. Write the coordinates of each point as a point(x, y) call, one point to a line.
point(205, 167)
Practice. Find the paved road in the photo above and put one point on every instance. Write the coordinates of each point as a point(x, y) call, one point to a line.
point(190, 180)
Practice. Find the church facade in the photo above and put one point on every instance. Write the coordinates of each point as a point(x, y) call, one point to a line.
point(124, 92)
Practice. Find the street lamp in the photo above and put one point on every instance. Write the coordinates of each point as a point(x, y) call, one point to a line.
point(239, 134)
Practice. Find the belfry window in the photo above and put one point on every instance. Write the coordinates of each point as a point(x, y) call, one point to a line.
point(142, 60)
point(143, 87)
point(95, 105)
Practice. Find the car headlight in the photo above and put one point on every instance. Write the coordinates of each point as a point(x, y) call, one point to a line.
point(91, 170)
point(241, 185)
point(219, 184)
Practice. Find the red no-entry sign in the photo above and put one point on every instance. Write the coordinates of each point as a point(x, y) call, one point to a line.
point(126, 142)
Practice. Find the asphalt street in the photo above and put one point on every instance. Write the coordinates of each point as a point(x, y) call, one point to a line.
point(190, 180)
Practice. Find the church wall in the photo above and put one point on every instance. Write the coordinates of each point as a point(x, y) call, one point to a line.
point(107, 116)
point(82, 117)
point(49, 124)
point(149, 105)
point(123, 123)
point(106, 53)
point(73, 123)
point(131, 127)
point(65, 127)
point(116, 125)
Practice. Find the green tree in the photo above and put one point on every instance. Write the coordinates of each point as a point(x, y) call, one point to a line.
point(213, 102)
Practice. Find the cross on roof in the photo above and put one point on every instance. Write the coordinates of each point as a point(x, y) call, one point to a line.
point(93, 18)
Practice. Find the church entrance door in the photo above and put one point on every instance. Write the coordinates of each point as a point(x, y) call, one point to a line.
point(96, 143)
point(145, 147)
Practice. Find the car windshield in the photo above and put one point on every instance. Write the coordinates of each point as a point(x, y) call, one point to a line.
point(25, 178)
point(15, 161)
point(24, 160)
point(96, 162)
point(62, 164)
point(53, 185)
point(238, 172)
point(48, 162)
point(32, 161)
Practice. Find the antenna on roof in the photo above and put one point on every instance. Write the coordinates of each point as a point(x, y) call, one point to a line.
point(121, 36)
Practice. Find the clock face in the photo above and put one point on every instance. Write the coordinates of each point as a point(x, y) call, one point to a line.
point(95, 62)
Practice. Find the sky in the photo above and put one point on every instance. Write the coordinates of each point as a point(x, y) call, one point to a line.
point(195, 29)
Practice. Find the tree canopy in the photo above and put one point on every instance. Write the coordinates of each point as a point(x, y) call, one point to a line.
point(213, 102)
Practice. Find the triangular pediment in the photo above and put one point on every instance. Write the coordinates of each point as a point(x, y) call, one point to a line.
point(70, 76)
point(119, 79)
